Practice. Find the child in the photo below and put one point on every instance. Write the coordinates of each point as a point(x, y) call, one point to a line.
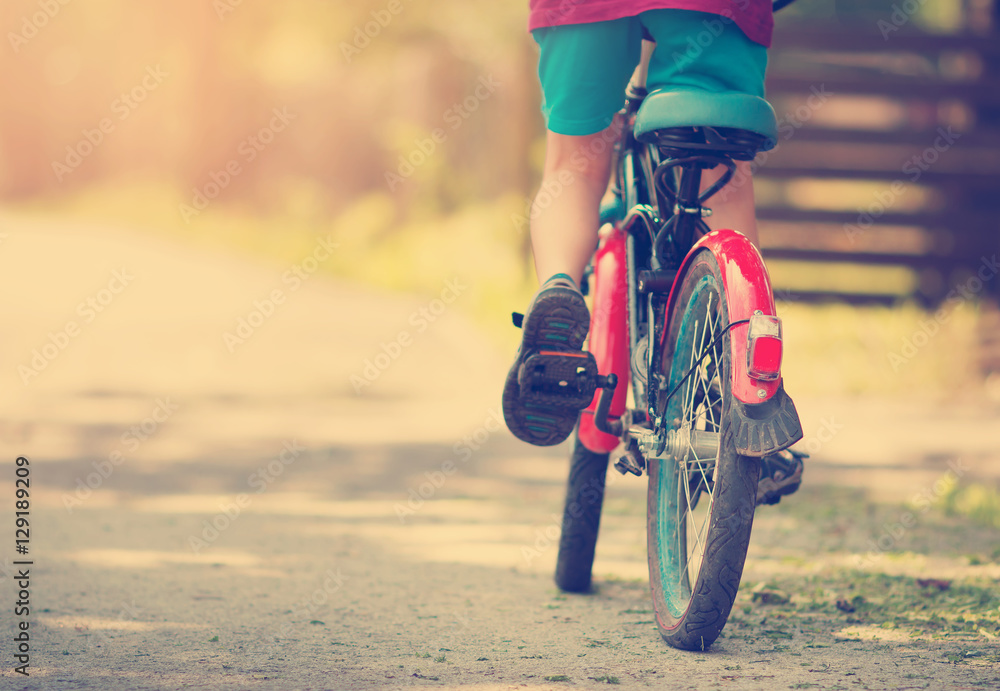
point(588, 51)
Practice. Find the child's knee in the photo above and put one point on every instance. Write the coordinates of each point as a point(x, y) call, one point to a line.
point(588, 156)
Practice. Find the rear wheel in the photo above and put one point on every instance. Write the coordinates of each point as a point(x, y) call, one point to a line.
point(581, 518)
point(701, 502)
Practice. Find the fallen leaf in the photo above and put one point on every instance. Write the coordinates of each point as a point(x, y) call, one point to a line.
point(771, 597)
point(844, 606)
point(933, 583)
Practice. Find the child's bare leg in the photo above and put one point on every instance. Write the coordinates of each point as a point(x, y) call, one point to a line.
point(733, 206)
point(565, 216)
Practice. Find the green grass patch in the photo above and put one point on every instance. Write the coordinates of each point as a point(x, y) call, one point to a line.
point(978, 502)
point(919, 607)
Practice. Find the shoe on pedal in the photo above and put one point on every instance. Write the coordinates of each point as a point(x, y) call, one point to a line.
point(780, 475)
point(552, 378)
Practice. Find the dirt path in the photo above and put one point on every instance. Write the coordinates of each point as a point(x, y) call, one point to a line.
point(214, 514)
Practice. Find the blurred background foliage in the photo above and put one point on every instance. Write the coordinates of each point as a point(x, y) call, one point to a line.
point(367, 83)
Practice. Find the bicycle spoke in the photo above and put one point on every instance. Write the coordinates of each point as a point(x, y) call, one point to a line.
point(700, 410)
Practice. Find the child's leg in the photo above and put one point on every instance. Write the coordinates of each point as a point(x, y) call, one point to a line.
point(583, 70)
point(565, 212)
point(733, 206)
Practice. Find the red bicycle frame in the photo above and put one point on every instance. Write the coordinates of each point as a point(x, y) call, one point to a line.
point(748, 292)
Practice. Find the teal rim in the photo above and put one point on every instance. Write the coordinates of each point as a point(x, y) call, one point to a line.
point(685, 490)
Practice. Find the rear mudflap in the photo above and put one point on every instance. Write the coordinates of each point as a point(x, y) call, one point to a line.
point(761, 429)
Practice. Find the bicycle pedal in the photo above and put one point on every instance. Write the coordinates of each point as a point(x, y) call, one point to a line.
point(559, 378)
point(628, 464)
point(632, 461)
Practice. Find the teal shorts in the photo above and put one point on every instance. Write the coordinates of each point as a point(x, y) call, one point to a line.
point(584, 68)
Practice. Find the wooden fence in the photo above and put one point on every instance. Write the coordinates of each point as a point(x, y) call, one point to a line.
point(885, 185)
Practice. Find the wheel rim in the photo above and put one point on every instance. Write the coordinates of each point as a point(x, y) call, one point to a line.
point(687, 487)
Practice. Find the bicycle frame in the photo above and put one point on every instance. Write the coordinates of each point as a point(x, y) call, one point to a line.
point(637, 268)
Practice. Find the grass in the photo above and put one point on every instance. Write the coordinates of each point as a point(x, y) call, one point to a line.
point(969, 608)
point(811, 582)
point(978, 502)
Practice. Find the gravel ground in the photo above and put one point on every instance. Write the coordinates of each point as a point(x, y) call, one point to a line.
point(264, 526)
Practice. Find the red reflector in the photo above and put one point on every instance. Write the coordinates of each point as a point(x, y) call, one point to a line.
point(764, 347)
point(764, 358)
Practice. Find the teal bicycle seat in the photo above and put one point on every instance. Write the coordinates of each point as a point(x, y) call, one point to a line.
point(671, 108)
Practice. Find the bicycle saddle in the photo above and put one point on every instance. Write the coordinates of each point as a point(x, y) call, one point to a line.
point(748, 119)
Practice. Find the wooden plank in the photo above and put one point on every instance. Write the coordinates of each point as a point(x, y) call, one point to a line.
point(857, 39)
point(860, 156)
point(982, 138)
point(983, 92)
point(821, 296)
point(961, 220)
point(930, 178)
point(915, 261)
point(828, 237)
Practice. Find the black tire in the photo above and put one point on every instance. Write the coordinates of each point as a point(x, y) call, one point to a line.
point(581, 518)
point(700, 511)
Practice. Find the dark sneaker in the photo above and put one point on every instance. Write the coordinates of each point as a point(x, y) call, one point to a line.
point(556, 321)
point(780, 474)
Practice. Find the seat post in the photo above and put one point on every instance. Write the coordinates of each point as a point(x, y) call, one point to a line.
point(688, 194)
point(690, 187)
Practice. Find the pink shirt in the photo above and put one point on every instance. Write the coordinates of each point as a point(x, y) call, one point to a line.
point(754, 17)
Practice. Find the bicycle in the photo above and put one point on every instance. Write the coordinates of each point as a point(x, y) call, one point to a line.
point(685, 317)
